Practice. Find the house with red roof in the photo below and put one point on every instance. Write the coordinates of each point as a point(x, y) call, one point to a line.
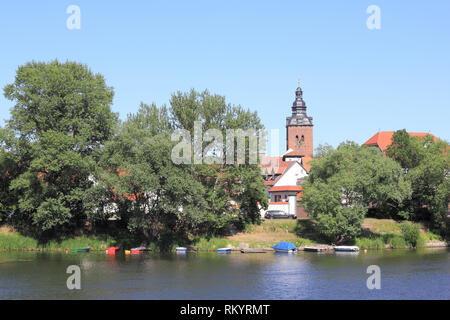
point(383, 139)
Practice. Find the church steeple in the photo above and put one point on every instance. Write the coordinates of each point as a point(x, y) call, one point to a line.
point(299, 133)
point(299, 116)
point(298, 106)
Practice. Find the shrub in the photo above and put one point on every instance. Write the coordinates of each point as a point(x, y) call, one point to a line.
point(411, 233)
point(370, 243)
point(397, 242)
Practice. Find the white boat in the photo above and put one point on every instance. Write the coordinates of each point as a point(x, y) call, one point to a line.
point(181, 250)
point(224, 250)
point(286, 251)
point(346, 248)
point(314, 249)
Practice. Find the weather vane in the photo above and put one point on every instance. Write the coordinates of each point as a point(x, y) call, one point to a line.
point(298, 80)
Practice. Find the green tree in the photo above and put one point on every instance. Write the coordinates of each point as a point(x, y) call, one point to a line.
point(156, 200)
point(228, 184)
point(345, 182)
point(405, 149)
point(427, 168)
point(60, 119)
point(8, 199)
point(165, 202)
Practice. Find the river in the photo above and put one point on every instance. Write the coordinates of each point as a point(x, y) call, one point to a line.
point(405, 274)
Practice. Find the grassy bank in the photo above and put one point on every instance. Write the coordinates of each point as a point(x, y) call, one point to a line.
point(386, 233)
point(377, 234)
point(12, 240)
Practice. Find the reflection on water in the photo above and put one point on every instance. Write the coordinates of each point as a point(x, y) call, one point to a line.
point(405, 274)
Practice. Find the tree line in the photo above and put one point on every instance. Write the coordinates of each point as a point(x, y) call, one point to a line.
point(66, 160)
point(410, 181)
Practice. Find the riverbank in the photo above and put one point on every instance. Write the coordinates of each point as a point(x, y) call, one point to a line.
point(377, 234)
point(12, 240)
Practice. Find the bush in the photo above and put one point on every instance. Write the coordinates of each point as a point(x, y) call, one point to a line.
point(370, 243)
point(397, 242)
point(411, 233)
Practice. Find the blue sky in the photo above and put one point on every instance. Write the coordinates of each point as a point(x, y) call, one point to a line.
point(356, 81)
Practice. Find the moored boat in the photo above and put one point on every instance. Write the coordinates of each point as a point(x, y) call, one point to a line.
point(224, 250)
point(181, 250)
point(112, 250)
point(313, 249)
point(346, 248)
point(287, 247)
point(139, 250)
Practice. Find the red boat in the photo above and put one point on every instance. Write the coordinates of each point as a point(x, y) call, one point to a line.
point(112, 250)
point(139, 250)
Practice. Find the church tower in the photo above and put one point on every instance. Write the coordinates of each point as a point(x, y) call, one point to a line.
point(299, 127)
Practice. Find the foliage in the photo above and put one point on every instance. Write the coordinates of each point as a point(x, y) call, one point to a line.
point(411, 233)
point(60, 119)
point(405, 149)
point(167, 202)
point(427, 170)
point(345, 182)
point(370, 242)
point(65, 159)
point(16, 241)
point(241, 183)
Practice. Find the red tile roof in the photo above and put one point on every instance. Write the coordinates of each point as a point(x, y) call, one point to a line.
point(383, 139)
point(286, 188)
point(269, 163)
point(293, 153)
point(284, 165)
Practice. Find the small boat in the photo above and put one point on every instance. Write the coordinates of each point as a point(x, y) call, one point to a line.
point(127, 252)
point(139, 250)
point(251, 250)
point(181, 250)
point(112, 250)
point(313, 249)
point(346, 248)
point(284, 246)
point(224, 250)
point(74, 250)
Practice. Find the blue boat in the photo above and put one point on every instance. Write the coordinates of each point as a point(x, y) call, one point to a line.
point(224, 250)
point(181, 250)
point(285, 247)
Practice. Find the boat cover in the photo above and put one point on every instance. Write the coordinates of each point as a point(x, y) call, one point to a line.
point(285, 246)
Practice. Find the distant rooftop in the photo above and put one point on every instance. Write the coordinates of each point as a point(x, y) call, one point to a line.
point(383, 139)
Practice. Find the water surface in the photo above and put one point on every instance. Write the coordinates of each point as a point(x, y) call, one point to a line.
point(405, 274)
